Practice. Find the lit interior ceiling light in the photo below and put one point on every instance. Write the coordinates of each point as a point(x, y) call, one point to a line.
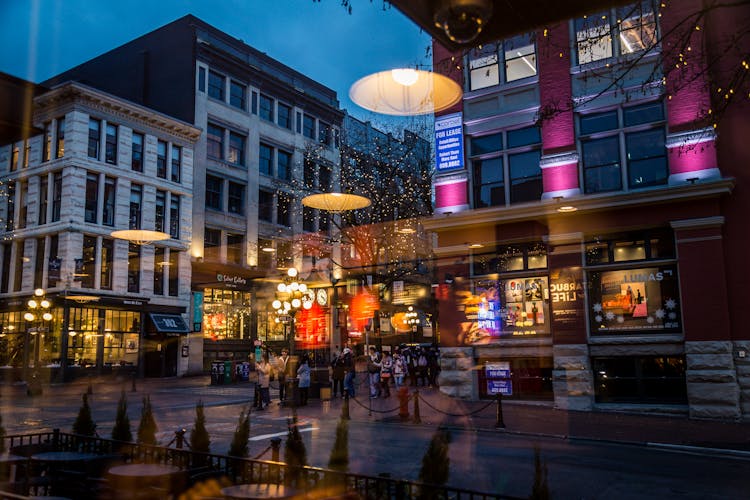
point(462, 20)
point(140, 236)
point(567, 208)
point(405, 92)
point(336, 202)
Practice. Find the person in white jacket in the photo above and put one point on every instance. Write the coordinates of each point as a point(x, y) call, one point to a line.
point(303, 374)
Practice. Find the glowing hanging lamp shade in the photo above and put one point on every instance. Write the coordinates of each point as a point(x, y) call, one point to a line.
point(405, 92)
point(336, 202)
point(140, 236)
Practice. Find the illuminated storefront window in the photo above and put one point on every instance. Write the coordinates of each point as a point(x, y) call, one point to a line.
point(226, 314)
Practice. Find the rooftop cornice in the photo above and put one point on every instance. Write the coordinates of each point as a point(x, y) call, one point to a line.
point(585, 204)
point(77, 93)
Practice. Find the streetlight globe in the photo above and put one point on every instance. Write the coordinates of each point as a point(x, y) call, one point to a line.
point(32, 304)
point(276, 304)
point(307, 305)
point(277, 320)
point(411, 308)
point(45, 304)
point(47, 316)
point(292, 272)
point(39, 292)
point(29, 316)
point(294, 286)
point(287, 306)
point(296, 303)
point(302, 287)
point(281, 287)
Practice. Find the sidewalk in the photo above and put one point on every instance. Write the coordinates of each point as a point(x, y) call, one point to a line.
point(435, 409)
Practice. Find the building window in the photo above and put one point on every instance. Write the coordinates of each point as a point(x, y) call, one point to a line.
point(176, 163)
point(309, 171)
point(266, 108)
point(23, 204)
point(284, 116)
point(237, 95)
point(226, 314)
point(236, 198)
point(53, 262)
point(160, 210)
point(621, 31)
point(517, 57)
point(283, 210)
point(134, 268)
point(107, 259)
point(254, 102)
point(18, 266)
point(234, 248)
point(237, 148)
point(324, 178)
point(136, 201)
point(634, 137)
point(202, 79)
point(265, 205)
point(26, 153)
point(506, 167)
point(308, 126)
point(211, 244)
point(92, 197)
point(265, 164)
point(174, 272)
point(640, 379)
point(47, 143)
point(216, 85)
point(87, 271)
point(110, 150)
point(308, 219)
point(136, 152)
point(39, 263)
point(60, 142)
point(174, 216)
point(110, 198)
point(43, 199)
point(638, 290)
point(265, 253)
point(5, 282)
point(159, 270)
point(324, 133)
point(214, 188)
point(95, 132)
point(14, 158)
point(10, 207)
point(215, 142)
point(56, 196)
point(161, 159)
point(284, 165)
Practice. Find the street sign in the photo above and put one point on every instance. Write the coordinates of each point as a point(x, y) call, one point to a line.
point(504, 387)
point(497, 370)
point(498, 378)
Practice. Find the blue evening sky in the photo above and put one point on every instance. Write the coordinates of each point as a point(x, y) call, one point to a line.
point(41, 38)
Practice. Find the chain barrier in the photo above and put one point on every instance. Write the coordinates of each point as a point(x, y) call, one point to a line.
point(369, 408)
point(449, 414)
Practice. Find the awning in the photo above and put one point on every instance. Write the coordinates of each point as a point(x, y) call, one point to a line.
point(169, 323)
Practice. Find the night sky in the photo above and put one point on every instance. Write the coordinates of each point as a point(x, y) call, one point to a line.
point(41, 38)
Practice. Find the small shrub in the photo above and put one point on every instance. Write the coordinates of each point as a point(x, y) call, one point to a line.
point(147, 425)
point(84, 423)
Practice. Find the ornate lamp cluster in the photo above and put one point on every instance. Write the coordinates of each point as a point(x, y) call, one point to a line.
point(411, 318)
point(289, 296)
point(38, 307)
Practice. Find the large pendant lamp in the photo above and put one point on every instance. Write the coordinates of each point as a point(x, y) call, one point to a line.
point(405, 92)
point(336, 202)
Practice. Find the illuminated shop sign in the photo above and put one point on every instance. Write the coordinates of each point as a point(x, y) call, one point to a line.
point(449, 142)
point(644, 299)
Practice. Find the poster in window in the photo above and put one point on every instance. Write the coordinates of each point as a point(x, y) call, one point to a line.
point(635, 300)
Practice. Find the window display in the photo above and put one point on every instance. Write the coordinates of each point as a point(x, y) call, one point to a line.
point(642, 299)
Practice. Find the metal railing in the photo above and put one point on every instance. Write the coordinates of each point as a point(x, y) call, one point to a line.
point(196, 467)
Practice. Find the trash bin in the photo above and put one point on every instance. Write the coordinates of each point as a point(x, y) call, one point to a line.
point(228, 372)
point(243, 371)
point(217, 372)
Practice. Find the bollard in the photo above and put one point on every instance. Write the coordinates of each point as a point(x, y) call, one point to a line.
point(499, 424)
point(179, 438)
point(417, 419)
point(132, 388)
point(403, 401)
point(275, 446)
point(345, 406)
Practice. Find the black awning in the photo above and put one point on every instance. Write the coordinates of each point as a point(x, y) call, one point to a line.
point(169, 323)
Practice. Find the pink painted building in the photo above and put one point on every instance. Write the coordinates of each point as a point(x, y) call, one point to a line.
point(591, 245)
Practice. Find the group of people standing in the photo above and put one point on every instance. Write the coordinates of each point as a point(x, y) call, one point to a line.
point(421, 365)
point(281, 369)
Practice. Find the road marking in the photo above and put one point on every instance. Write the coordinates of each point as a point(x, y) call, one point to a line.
point(279, 434)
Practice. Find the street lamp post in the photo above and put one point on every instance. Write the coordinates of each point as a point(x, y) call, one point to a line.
point(37, 315)
point(411, 318)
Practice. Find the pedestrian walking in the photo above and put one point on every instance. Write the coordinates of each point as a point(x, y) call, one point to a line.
point(337, 374)
point(349, 371)
point(433, 366)
point(386, 371)
point(373, 368)
point(282, 370)
point(303, 374)
point(264, 370)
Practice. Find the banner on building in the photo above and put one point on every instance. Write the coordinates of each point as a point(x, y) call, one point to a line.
point(449, 142)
